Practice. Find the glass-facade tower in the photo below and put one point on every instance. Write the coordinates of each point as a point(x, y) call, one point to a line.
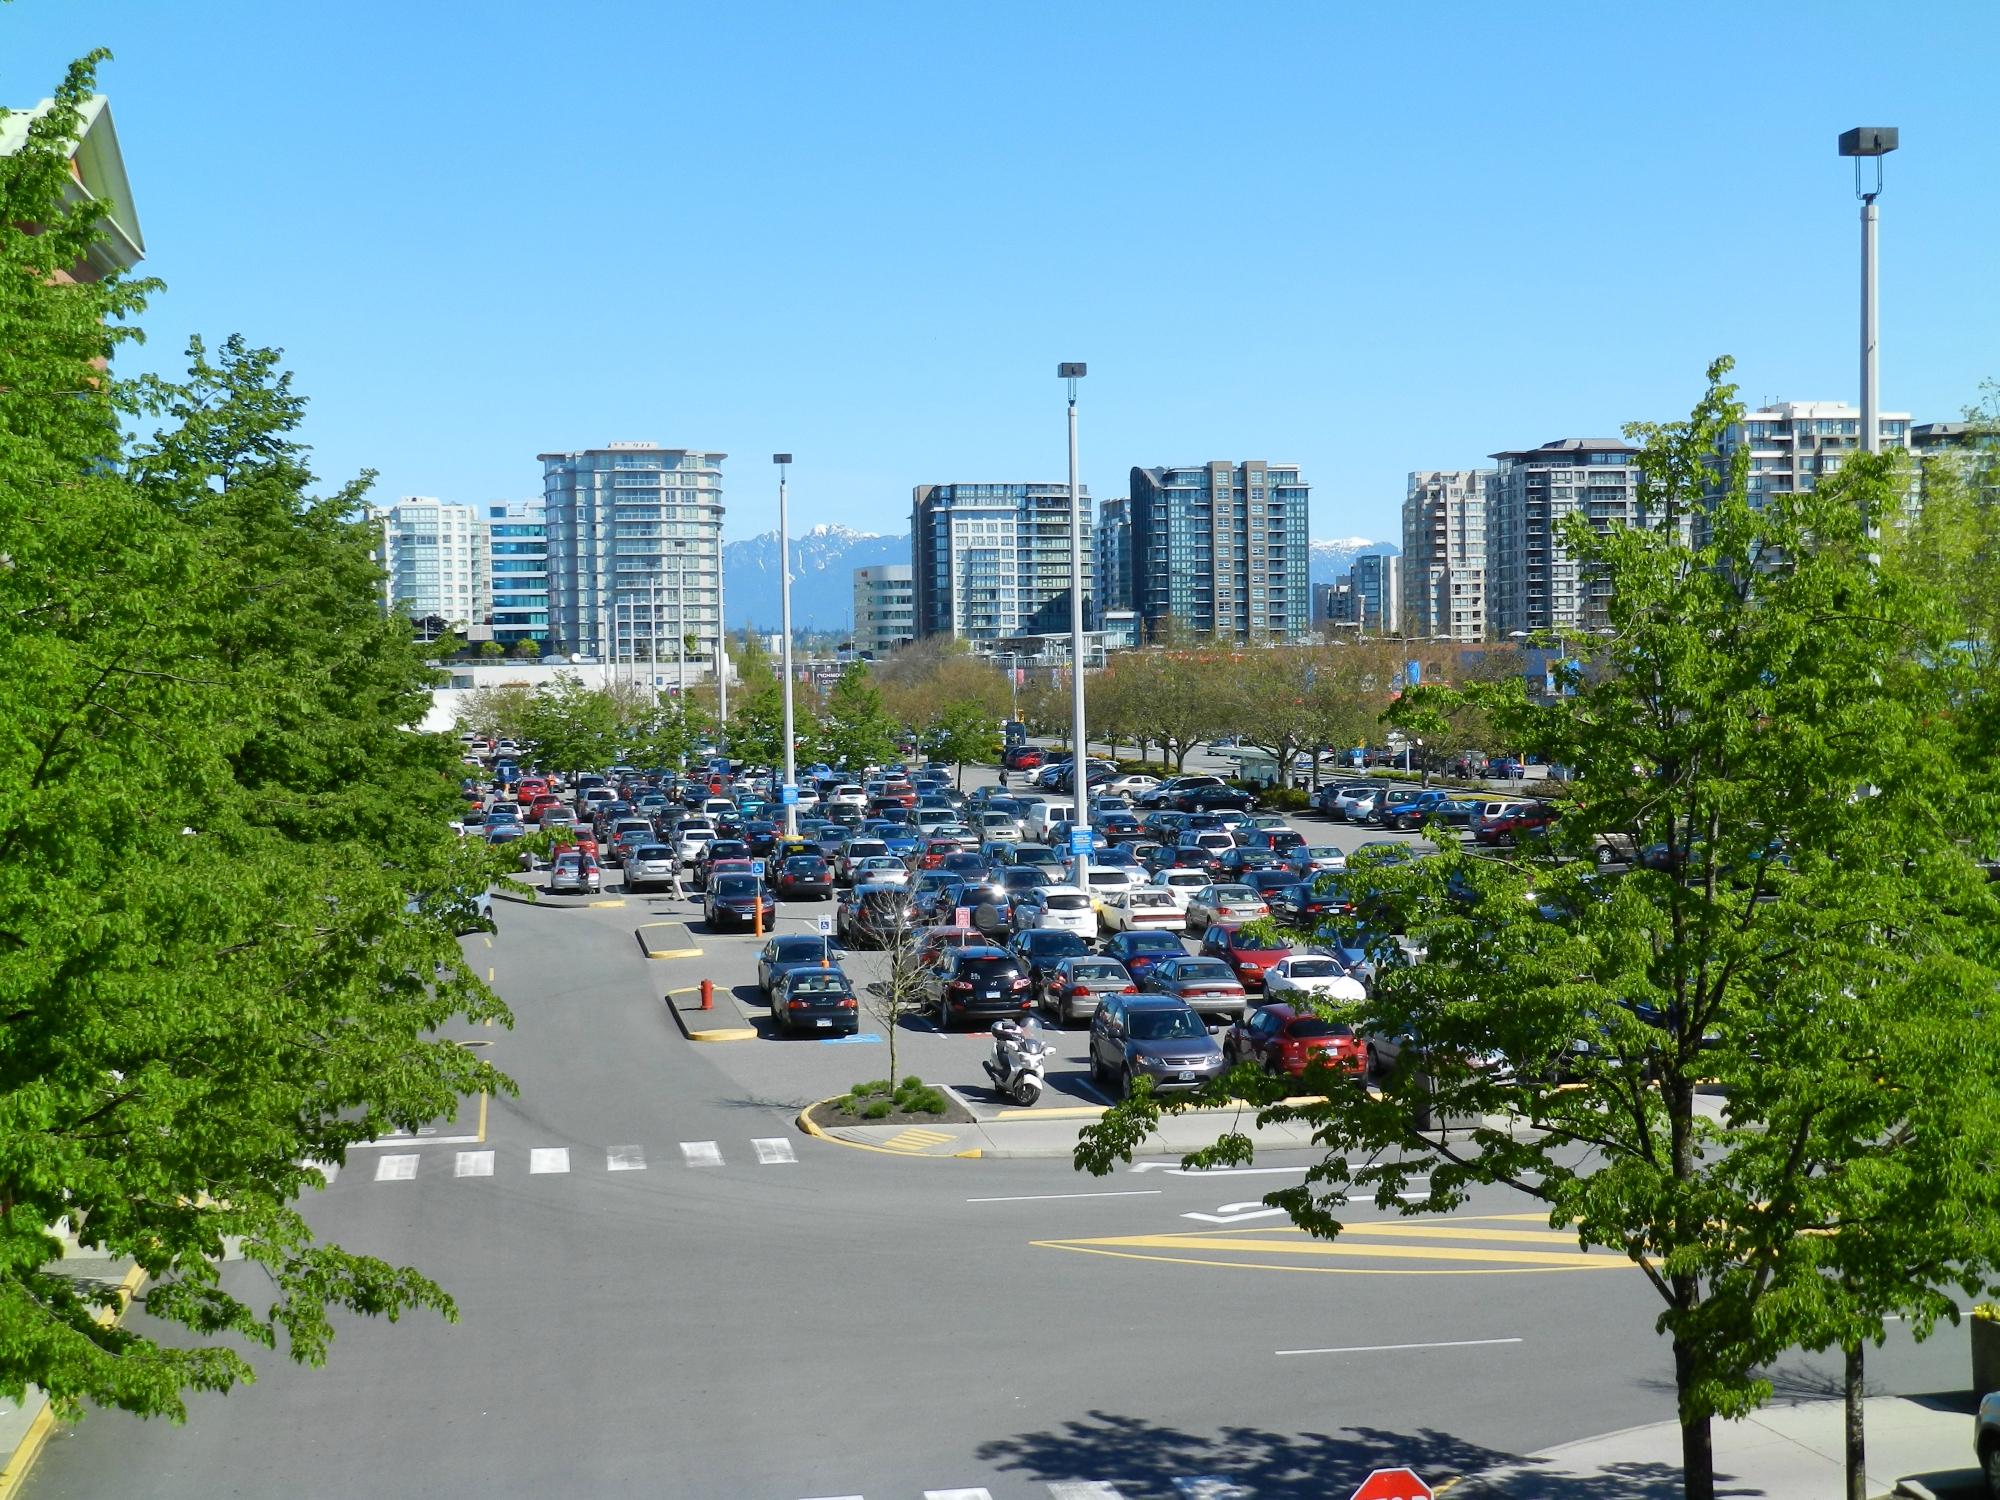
point(1221, 549)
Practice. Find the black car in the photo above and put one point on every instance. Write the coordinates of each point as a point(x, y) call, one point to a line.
point(1139, 951)
point(1211, 798)
point(735, 901)
point(780, 955)
point(815, 1000)
point(1040, 948)
point(761, 834)
point(978, 983)
point(1236, 863)
point(804, 875)
point(1120, 828)
point(988, 902)
point(876, 916)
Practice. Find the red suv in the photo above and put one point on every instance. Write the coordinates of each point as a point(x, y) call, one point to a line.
point(1286, 1040)
point(1247, 957)
point(1506, 827)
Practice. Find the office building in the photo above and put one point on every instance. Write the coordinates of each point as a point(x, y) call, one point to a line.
point(1337, 605)
point(884, 609)
point(1795, 443)
point(990, 562)
point(1111, 571)
point(635, 553)
point(517, 548)
point(1221, 549)
point(434, 566)
point(1444, 554)
point(1533, 582)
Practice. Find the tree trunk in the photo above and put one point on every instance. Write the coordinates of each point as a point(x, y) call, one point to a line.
point(1857, 1439)
point(1697, 1436)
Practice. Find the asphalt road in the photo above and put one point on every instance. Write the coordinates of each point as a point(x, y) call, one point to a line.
point(666, 1290)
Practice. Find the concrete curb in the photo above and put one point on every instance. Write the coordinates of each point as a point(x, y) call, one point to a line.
point(678, 937)
point(812, 1128)
point(717, 1034)
point(14, 1472)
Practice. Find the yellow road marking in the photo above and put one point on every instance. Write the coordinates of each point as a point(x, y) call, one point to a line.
point(1449, 1232)
point(480, 1134)
point(614, 901)
point(915, 1139)
point(1293, 1250)
point(489, 973)
point(1311, 1247)
point(487, 940)
point(732, 1034)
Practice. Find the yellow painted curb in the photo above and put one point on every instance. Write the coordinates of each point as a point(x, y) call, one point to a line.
point(732, 1034)
point(614, 901)
point(15, 1473)
point(1065, 1112)
point(811, 1127)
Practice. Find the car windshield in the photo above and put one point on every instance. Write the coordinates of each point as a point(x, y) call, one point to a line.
point(1055, 944)
point(1314, 968)
point(1149, 900)
point(1234, 893)
point(814, 982)
point(1244, 942)
point(1106, 877)
point(796, 950)
point(736, 885)
point(805, 864)
point(989, 968)
point(1166, 1025)
point(652, 852)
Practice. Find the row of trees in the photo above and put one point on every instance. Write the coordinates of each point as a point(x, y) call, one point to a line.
point(229, 896)
point(1803, 706)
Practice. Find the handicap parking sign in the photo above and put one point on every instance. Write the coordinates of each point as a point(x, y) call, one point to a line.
point(825, 925)
point(757, 868)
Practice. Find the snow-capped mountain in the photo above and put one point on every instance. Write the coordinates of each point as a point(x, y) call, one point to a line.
point(1329, 559)
point(823, 564)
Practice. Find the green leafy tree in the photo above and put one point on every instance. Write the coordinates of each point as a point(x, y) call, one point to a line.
point(492, 650)
point(574, 727)
point(963, 732)
point(855, 729)
point(1792, 723)
point(528, 650)
point(216, 819)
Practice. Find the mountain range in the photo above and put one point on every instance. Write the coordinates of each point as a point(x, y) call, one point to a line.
point(824, 560)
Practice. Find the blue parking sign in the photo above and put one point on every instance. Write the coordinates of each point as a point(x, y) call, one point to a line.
point(1079, 841)
point(757, 868)
point(788, 795)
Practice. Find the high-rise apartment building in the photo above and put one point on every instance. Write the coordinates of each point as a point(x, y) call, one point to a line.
point(1221, 549)
point(634, 551)
point(884, 609)
point(1377, 581)
point(434, 565)
point(517, 546)
point(1795, 443)
point(1533, 582)
point(1111, 571)
point(990, 562)
point(1444, 554)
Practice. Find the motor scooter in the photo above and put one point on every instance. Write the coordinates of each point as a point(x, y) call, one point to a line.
point(1018, 1061)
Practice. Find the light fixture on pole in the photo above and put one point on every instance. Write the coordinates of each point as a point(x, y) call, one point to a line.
point(1079, 764)
point(1865, 141)
point(791, 797)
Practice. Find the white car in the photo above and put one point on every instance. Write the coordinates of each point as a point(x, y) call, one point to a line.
point(1130, 786)
point(1106, 881)
point(1224, 903)
point(848, 796)
point(880, 869)
point(1062, 908)
point(1181, 883)
point(1144, 909)
point(1311, 974)
point(693, 838)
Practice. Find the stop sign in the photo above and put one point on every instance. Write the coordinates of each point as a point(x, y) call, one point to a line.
point(1393, 1484)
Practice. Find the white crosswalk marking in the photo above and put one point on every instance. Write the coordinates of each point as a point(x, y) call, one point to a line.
point(548, 1159)
point(1209, 1487)
point(625, 1159)
point(396, 1168)
point(702, 1153)
point(1084, 1489)
point(958, 1495)
point(773, 1151)
point(473, 1164)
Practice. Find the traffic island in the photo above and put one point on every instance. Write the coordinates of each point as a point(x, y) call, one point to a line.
point(706, 1023)
point(936, 1135)
point(667, 940)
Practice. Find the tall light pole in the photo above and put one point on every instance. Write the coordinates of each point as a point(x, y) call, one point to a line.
point(721, 642)
point(1864, 141)
point(1079, 765)
point(783, 461)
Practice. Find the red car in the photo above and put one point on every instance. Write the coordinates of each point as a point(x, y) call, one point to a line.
point(1507, 827)
point(1286, 1039)
point(935, 849)
point(1248, 957)
point(528, 788)
point(1022, 758)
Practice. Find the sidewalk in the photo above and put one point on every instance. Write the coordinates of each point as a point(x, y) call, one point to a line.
point(1783, 1452)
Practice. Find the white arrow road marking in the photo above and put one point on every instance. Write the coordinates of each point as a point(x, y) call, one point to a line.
point(396, 1168)
point(1235, 1213)
point(1084, 1489)
point(1209, 1487)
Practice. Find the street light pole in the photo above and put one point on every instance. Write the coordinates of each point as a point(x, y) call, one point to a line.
point(1864, 141)
point(783, 461)
point(1079, 765)
point(721, 644)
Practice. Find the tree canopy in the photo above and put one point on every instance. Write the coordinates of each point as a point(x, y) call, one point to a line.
point(229, 896)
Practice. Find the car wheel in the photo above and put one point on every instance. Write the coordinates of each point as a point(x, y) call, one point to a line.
point(1604, 854)
point(1125, 1082)
point(1374, 1062)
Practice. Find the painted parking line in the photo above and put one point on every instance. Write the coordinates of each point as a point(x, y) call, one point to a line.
point(473, 1164)
point(1051, 1197)
point(774, 1151)
point(1398, 1348)
point(396, 1168)
point(702, 1153)
point(980, 1494)
point(548, 1159)
point(625, 1159)
point(849, 1041)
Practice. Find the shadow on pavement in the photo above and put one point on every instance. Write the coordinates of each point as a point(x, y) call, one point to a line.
point(1143, 1459)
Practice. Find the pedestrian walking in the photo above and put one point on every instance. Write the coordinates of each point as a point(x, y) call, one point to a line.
point(1003, 778)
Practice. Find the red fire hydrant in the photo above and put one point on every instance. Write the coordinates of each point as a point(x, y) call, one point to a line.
point(708, 994)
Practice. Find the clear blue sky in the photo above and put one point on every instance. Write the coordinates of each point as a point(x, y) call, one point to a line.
point(1365, 238)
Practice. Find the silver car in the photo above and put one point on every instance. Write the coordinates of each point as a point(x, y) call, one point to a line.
point(650, 865)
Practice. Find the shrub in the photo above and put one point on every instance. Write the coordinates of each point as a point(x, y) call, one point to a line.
point(878, 1109)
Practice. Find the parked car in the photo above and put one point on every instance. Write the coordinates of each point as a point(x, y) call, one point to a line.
point(1224, 903)
point(1389, 801)
point(1247, 956)
point(805, 877)
point(1164, 794)
point(1285, 1039)
point(933, 945)
point(1310, 859)
point(649, 865)
point(1206, 984)
point(1427, 806)
point(1059, 906)
point(852, 852)
point(1316, 975)
point(977, 983)
point(1143, 908)
point(573, 872)
point(1139, 951)
point(1072, 988)
point(1151, 1036)
point(780, 955)
point(736, 901)
point(1355, 800)
point(1209, 798)
point(873, 915)
point(1520, 819)
point(1041, 948)
point(816, 1000)
point(1021, 758)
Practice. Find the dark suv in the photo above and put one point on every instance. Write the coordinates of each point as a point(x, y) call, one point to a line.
point(1154, 1036)
point(978, 983)
point(875, 916)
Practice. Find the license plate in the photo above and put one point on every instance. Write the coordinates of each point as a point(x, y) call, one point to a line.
point(1186, 1078)
point(823, 1021)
